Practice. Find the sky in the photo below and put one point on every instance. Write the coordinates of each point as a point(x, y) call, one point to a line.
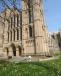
point(52, 11)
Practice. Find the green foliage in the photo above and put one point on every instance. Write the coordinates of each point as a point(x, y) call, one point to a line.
point(46, 68)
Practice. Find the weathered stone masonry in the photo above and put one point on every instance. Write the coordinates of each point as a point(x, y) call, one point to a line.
point(25, 32)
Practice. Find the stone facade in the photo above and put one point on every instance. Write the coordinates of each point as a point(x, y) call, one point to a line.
point(53, 43)
point(24, 33)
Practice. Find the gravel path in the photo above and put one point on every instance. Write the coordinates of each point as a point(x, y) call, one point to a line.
point(33, 59)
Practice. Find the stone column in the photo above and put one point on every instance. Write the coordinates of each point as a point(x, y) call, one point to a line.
point(25, 24)
point(17, 51)
point(10, 51)
point(19, 34)
point(16, 21)
point(46, 46)
point(15, 35)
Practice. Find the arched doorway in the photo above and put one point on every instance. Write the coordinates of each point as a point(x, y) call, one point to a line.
point(20, 52)
point(14, 49)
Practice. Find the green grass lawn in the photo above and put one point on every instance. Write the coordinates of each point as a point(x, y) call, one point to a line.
point(46, 68)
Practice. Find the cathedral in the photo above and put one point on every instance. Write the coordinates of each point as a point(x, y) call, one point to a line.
point(24, 32)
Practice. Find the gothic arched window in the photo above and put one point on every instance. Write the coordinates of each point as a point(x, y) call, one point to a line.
point(14, 35)
point(11, 35)
point(14, 20)
point(11, 21)
point(17, 19)
point(30, 5)
point(8, 36)
point(17, 34)
point(30, 31)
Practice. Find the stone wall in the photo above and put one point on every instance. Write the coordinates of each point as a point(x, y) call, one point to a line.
point(28, 36)
point(53, 43)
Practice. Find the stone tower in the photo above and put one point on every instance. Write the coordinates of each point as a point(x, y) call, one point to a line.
point(34, 33)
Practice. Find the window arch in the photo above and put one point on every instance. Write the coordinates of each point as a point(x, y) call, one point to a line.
point(14, 19)
point(11, 21)
point(14, 35)
point(11, 35)
point(8, 36)
point(30, 31)
point(17, 34)
point(17, 20)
